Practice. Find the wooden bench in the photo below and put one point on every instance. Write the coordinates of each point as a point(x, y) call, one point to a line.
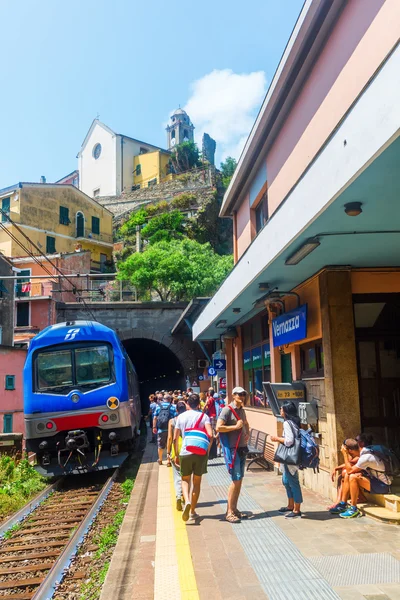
point(257, 444)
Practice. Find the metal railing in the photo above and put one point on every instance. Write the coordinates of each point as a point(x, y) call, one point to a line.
point(88, 234)
point(99, 290)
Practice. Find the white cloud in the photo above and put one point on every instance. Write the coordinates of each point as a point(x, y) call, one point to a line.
point(224, 104)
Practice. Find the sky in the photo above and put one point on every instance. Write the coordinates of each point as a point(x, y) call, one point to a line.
point(131, 63)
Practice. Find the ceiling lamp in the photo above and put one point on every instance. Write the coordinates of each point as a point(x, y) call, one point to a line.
point(222, 323)
point(303, 251)
point(236, 310)
point(353, 209)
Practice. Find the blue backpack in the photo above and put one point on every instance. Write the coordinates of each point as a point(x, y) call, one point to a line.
point(309, 451)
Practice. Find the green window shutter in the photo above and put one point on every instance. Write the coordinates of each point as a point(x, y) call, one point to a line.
point(50, 244)
point(138, 170)
point(64, 215)
point(7, 424)
point(95, 225)
point(5, 207)
point(10, 382)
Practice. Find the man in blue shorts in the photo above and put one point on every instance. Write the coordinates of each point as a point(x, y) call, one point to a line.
point(164, 412)
point(233, 430)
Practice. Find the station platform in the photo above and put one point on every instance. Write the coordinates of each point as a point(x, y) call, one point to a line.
point(318, 557)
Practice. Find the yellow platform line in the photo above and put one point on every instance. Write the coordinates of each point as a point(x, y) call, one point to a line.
point(187, 578)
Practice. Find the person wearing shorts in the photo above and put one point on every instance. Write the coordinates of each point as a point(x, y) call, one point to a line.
point(234, 435)
point(193, 466)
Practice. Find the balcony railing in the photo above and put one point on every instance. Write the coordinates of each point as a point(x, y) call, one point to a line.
point(100, 237)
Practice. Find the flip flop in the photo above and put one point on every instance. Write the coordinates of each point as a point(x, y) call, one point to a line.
point(232, 518)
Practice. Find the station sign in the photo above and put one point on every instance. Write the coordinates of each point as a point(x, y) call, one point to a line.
point(222, 383)
point(290, 327)
point(219, 364)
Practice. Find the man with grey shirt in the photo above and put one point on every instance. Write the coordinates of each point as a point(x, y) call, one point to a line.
point(233, 430)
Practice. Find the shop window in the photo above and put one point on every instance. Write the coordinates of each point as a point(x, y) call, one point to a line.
point(64, 215)
point(312, 360)
point(96, 225)
point(10, 382)
point(50, 244)
point(7, 424)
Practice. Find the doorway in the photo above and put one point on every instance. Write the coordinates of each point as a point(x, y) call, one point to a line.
point(377, 322)
point(286, 368)
point(80, 225)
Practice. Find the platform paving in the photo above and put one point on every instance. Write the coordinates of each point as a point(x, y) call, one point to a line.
point(265, 556)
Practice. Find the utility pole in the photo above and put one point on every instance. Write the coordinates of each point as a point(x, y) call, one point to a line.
point(138, 238)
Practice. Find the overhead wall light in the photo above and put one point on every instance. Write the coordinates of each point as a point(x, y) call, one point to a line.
point(353, 209)
point(264, 286)
point(303, 251)
point(236, 310)
point(221, 323)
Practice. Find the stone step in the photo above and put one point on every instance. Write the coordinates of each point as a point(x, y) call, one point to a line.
point(380, 514)
point(389, 501)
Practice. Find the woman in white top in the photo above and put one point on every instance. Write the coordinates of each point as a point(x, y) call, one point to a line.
point(290, 478)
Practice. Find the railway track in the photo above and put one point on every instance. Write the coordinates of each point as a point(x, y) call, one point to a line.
point(35, 554)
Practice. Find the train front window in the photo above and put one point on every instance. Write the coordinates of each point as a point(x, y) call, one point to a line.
point(54, 369)
point(92, 365)
point(78, 366)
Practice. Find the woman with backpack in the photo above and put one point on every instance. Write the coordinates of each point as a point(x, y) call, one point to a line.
point(290, 477)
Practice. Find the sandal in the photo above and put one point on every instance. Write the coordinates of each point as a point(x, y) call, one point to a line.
point(159, 462)
point(239, 514)
point(232, 518)
point(169, 464)
point(284, 509)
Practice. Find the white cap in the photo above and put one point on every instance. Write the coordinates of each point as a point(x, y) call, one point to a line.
point(238, 390)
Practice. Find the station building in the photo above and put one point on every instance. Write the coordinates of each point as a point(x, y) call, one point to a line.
point(315, 291)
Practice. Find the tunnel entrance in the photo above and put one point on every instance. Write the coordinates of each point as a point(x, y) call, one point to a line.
point(156, 365)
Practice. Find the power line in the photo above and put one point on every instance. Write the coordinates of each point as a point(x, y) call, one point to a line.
point(55, 267)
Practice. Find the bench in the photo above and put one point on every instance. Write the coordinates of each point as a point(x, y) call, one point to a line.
point(257, 444)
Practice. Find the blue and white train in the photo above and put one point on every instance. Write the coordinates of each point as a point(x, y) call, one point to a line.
point(81, 399)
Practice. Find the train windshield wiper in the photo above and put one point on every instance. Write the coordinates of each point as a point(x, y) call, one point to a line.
point(56, 388)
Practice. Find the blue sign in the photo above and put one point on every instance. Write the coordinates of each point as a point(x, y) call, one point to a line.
point(219, 364)
point(290, 327)
point(212, 371)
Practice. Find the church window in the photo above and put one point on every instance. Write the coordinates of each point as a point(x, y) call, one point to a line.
point(185, 135)
point(96, 151)
point(138, 170)
point(173, 134)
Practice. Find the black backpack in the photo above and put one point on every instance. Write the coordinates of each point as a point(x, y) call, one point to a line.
point(388, 457)
point(163, 417)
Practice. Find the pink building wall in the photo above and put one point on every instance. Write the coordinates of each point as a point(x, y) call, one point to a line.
point(362, 38)
point(12, 361)
point(243, 227)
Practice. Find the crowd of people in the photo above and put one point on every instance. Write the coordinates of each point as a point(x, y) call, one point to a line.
point(192, 428)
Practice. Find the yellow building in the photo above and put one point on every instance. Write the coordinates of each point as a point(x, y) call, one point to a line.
point(151, 168)
point(56, 218)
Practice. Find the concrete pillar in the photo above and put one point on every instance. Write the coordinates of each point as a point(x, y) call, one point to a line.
point(341, 380)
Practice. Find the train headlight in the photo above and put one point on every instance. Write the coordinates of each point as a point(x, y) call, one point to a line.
point(113, 417)
point(75, 398)
point(40, 426)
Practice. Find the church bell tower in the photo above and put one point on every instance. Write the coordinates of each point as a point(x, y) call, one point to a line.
point(180, 129)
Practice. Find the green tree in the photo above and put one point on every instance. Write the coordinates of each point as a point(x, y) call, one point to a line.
point(176, 270)
point(185, 156)
point(227, 169)
point(167, 226)
point(138, 217)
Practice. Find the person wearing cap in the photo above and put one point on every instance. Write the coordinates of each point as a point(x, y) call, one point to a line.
point(233, 430)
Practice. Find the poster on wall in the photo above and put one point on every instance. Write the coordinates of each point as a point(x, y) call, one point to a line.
point(290, 327)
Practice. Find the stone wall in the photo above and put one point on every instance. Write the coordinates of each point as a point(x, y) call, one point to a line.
point(195, 181)
point(148, 320)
